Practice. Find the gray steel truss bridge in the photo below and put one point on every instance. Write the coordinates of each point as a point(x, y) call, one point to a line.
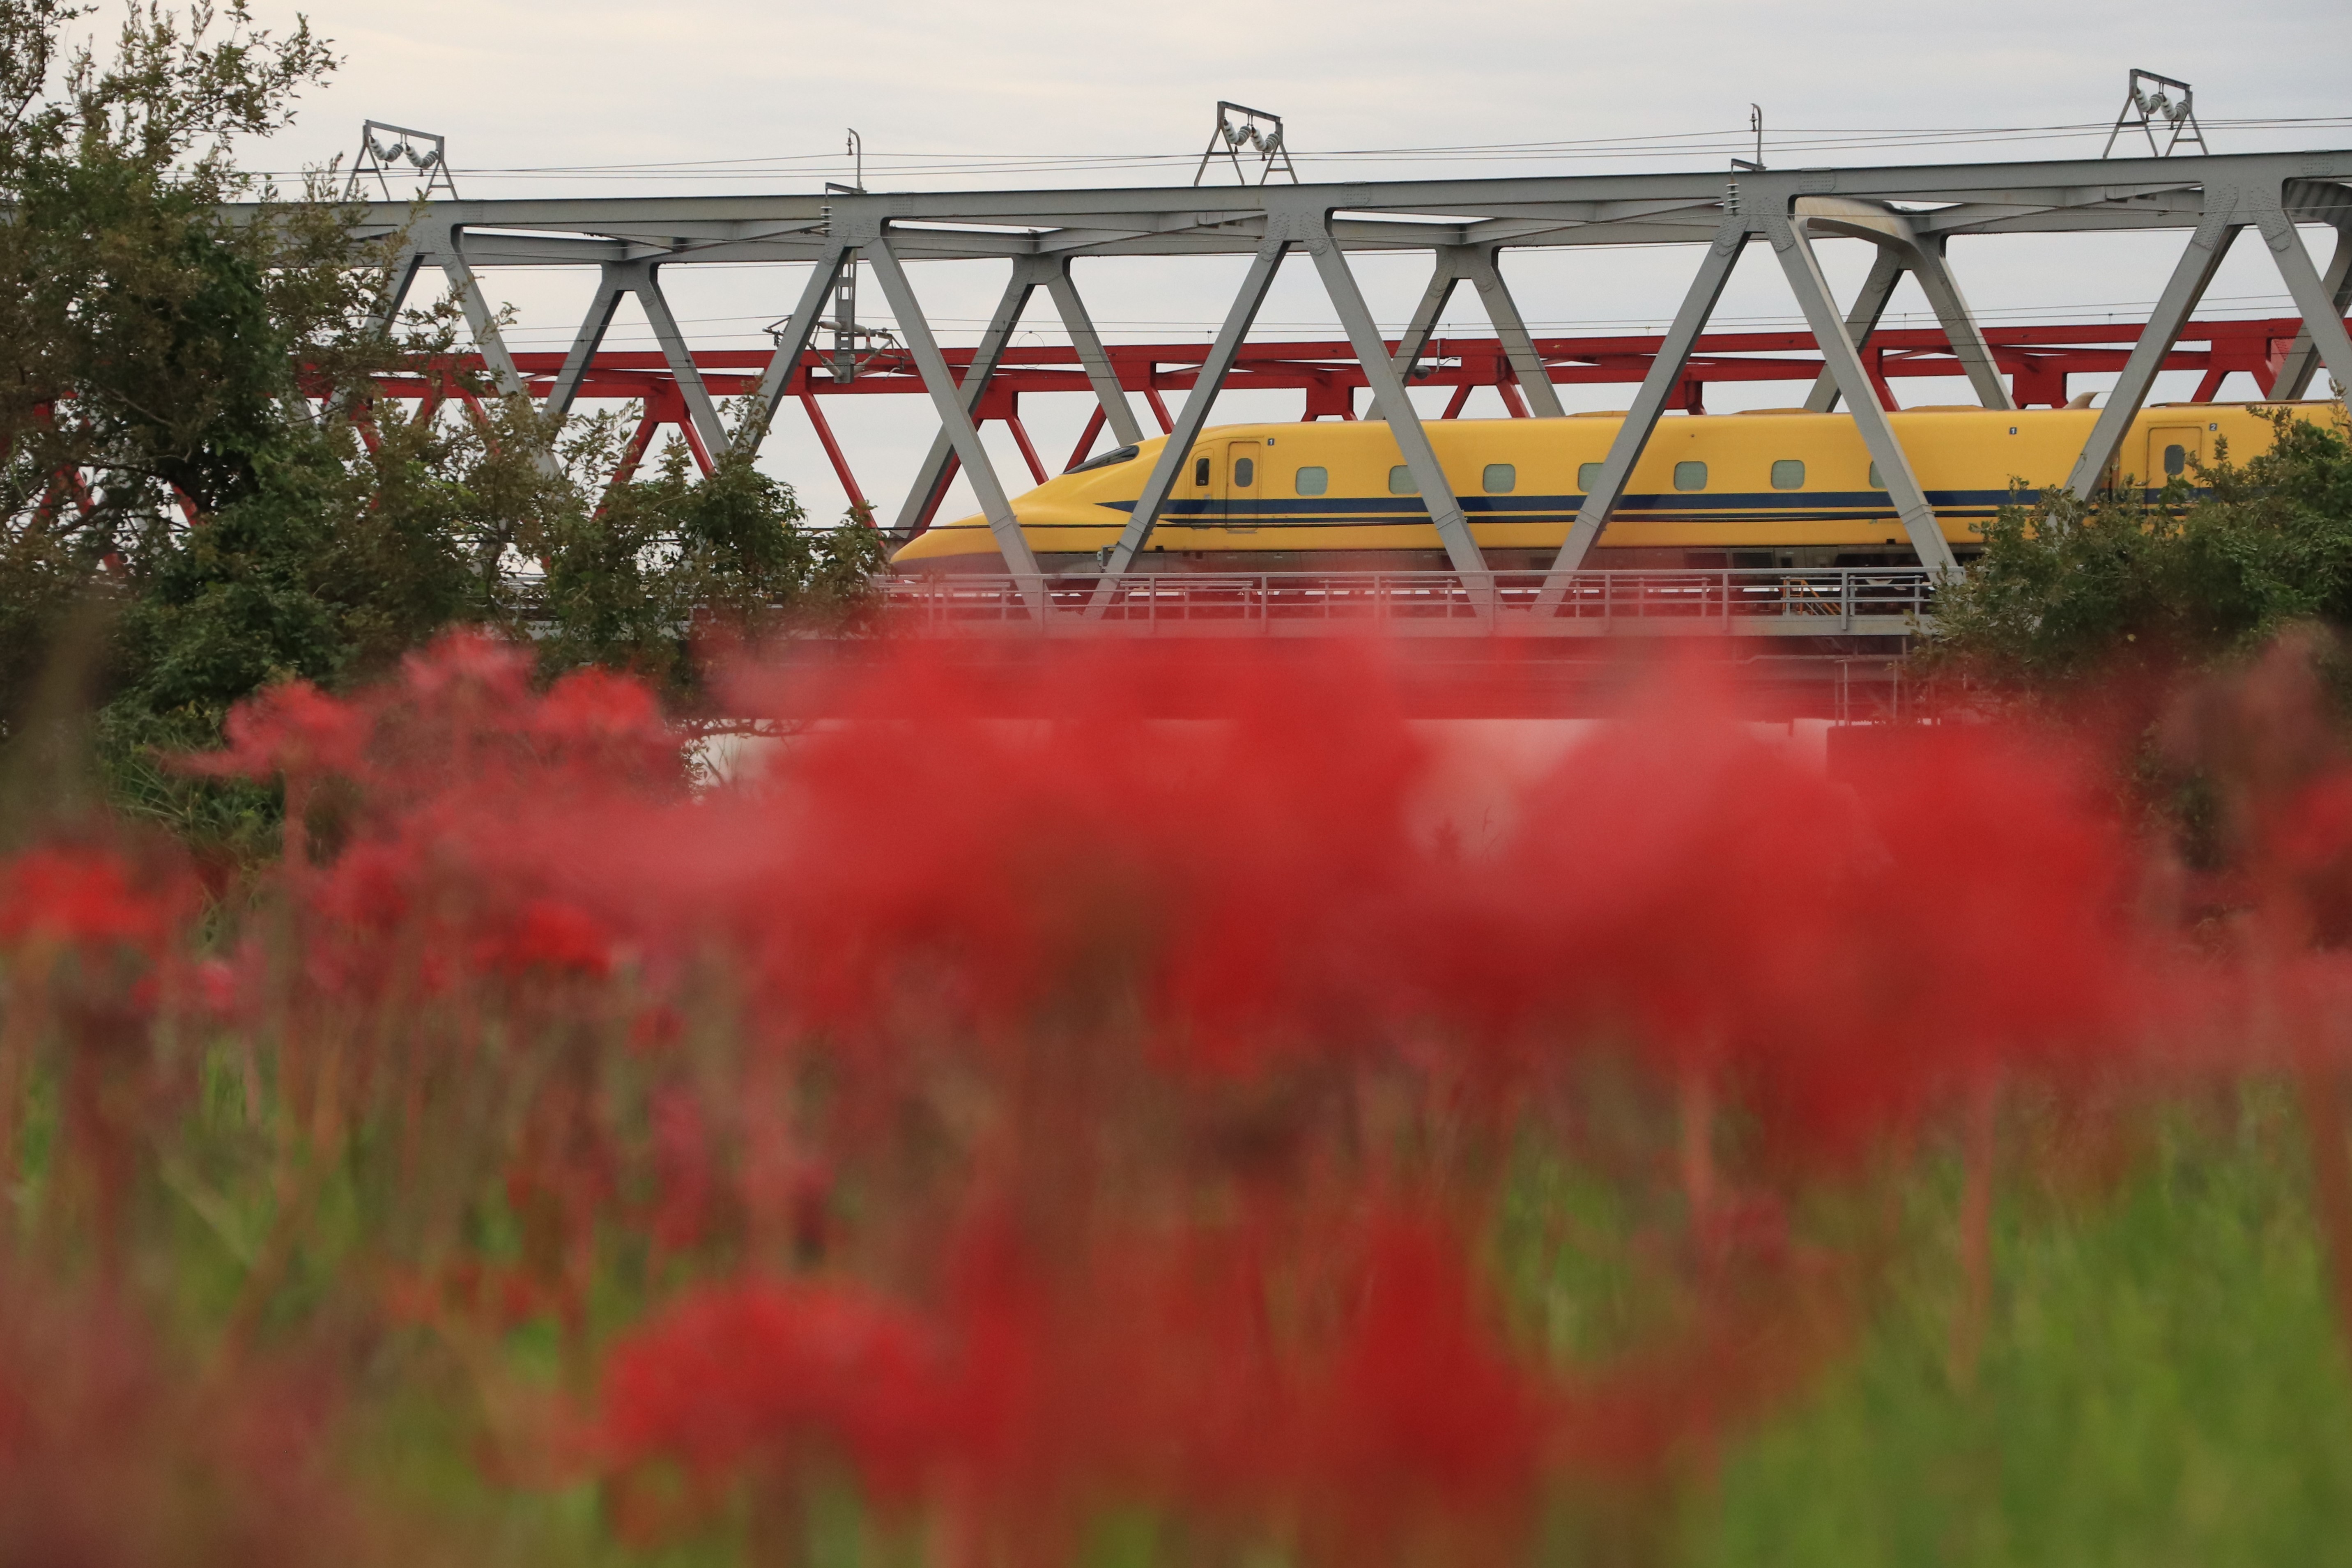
point(1469, 228)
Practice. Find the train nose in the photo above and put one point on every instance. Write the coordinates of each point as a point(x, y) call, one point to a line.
point(940, 540)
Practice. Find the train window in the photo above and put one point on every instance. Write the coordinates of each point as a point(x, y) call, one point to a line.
point(1245, 472)
point(1314, 481)
point(1500, 479)
point(1401, 481)
point(1787, 473)
point(1587, 475)
point(2176, 461)
point(1690, 475)
point(1875, 481)
point(1200, 471)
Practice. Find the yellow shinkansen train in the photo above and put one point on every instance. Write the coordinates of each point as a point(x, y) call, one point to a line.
point(1771, 487)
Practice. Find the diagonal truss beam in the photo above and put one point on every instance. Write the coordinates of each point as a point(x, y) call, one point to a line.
point(1886, 269)
point(1475, 264)
point(1390, 401)
point(1934, 271)
point(1803, 269)
point(480, 319)
point(1901, 248)
point(915, 330)
point(1650, 402)
point(2301, 361)
point(1837, 336)
point(2190, 276)
point(398, 279)
point(449, 254)
point(938, 466)
point(1485, 275)
point(1443, 281)
point(616, 280)
point(2322, 319)
point(699, 409)
point(792, 343)
point(1194, 417)
point(584, 343)
point(1118, 413)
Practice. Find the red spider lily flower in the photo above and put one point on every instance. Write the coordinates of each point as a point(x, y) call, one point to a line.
point(598, 706)
point(216, 987)
point(653, 1031)
point(370, 890)
point(1153, 1001)
point(1423, 1407)
point(1222, 874)
point(1997, 916)
point(82, 898)
point(1156, 1366)
point(112, 1454)
point(734, 1373)
point(1135, 1366)
point(292, 728)
point(552, 937)
point(596, 718)
point(683, 1169)
point(2305, 858)
point(467, 665)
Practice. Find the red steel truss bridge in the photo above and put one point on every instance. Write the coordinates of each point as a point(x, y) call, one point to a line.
point(1912, 219)
point(2038, 362)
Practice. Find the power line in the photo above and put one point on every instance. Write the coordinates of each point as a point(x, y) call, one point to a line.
point(1691, 143)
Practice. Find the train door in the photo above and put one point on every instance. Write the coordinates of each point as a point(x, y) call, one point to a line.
point(2173, 452)
point(1243, 461)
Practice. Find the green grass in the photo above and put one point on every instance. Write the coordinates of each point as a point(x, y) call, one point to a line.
point(2161, 1383)
point(2161, 1380)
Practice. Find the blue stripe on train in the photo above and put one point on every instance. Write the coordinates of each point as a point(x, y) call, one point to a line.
point(1407, 511)
point(1830, 504)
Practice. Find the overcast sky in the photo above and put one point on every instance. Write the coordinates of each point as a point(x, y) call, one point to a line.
point(532, 95)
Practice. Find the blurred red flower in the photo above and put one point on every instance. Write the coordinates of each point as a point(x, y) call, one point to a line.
point(781, 1372)
point(78, 896)
point(292, 728)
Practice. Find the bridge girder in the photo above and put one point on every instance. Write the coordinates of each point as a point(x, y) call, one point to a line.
point(1911, 211)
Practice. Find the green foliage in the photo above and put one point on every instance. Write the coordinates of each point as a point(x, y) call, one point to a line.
point(302, 578)
point(633, 582)
point(2069, 591)
point(143, 345)
point(182, 406)
point(146, 341)
point(2161, 1384)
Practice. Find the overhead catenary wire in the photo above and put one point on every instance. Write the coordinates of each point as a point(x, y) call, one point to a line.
point(1787, 142)
point(908, 165)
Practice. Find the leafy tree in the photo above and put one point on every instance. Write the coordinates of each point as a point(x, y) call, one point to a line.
point(192, 455)
point(2133, 619)
point(145, 348)
point(2071, 593)
point(630, 582)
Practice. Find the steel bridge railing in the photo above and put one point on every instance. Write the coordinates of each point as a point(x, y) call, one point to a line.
point(1749, 602)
